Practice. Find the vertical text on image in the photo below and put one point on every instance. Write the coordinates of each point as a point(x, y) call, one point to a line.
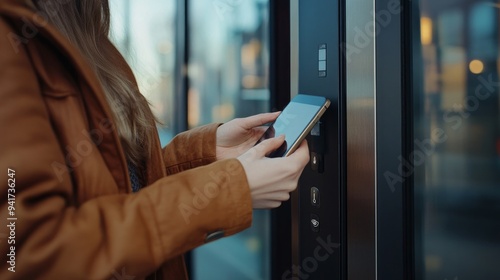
point(11, 219)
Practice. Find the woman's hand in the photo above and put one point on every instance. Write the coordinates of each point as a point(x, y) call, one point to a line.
point(236, 137)
point(272, 179)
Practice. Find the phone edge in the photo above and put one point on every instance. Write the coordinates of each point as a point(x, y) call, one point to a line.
point(309, 127)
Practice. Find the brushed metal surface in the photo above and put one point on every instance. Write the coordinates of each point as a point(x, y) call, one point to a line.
point(361, 156)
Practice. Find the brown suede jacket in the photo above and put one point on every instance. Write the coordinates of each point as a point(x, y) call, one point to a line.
point(66, 207)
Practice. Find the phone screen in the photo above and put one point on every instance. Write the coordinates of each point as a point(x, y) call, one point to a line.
point(291, 122)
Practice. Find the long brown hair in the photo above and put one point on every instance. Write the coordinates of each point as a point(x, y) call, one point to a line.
point(86, 24)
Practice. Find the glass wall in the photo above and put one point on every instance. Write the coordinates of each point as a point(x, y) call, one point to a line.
point(144, 32)
point(457, 140)
point(228, 77)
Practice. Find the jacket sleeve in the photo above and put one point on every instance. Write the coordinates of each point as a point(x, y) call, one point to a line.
point(119, 234)
point(191, 149)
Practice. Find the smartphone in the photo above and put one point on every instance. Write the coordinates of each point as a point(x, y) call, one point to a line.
point(295, 122)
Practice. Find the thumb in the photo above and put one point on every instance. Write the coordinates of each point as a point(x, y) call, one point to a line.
point(302, 153)
point(269, 145)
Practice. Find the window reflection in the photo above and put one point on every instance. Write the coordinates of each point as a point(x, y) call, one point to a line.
point(458, 186)
point(228, 78)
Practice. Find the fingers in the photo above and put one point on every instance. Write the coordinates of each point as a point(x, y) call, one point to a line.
point(269, 145)
point(277, 196)
point(266, 204)
point(301, 154)
point(258, 120)
point(259, 131)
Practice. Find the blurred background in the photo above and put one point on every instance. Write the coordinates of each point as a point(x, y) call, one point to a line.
point(457, 187)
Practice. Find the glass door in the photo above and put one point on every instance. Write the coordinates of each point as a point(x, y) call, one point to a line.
point(438, 131)
point(433, 209)
point(456, 156)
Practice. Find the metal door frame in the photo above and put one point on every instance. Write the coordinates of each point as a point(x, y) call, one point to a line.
point(377, 75)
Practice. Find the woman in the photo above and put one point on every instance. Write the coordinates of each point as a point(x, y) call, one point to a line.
point(90, 193)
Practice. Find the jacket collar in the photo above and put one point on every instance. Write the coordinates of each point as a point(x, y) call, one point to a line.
point(23, 9)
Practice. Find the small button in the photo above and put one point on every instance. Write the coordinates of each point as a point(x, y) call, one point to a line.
point(314, 223)
point(317, 162)
point(322, 54)
point(322, 65)
point(214, 236)
point(315, 196)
